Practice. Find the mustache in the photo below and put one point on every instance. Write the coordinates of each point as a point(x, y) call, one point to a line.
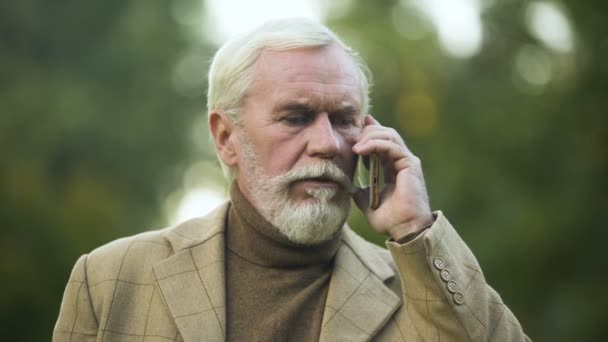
point(325, 170)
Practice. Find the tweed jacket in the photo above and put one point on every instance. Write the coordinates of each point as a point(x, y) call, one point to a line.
point(168, 285)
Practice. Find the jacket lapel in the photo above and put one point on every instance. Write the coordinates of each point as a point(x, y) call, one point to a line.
point(192, 283)
point(358, 302)
point(192, 279)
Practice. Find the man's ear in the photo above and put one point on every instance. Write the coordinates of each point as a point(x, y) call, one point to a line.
point(222, 129)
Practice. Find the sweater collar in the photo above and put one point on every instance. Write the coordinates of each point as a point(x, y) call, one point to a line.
point(253, 238)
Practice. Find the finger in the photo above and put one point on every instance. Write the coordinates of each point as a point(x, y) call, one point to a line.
point(389, 151)
point(367, 128)
point(388, 147)
point(370, 120)
point(372, 125)
point(381, 134)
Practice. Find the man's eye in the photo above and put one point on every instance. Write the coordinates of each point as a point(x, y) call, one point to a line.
point(344, 122)
point(296, 119)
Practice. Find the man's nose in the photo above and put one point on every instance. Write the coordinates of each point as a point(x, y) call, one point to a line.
point(323, 140)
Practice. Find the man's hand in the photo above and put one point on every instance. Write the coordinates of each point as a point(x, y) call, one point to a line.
point(404, 203)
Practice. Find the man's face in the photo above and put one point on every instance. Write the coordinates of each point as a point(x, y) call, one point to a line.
point(302, 111)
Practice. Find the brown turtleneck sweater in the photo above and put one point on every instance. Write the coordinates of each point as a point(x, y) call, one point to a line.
point(275, 289)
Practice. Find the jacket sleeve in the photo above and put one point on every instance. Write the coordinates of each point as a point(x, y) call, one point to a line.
point(77, 321)
point(446, 297)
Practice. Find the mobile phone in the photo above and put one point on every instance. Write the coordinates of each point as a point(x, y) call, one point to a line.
point(368, 175)
point(374, 181)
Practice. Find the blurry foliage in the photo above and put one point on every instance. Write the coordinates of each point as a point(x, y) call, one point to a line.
point(92, 138)
point(98, 103)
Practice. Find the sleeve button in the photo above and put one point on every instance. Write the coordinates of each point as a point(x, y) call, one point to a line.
point(445, 275)
point(439, 263)
point(458, 298)
point(452, 286)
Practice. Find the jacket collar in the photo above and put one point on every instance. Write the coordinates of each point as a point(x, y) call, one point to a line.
point(192, 283)
point(199, 230)
point(191, 280)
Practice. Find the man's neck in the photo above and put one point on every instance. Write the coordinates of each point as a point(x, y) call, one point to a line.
point(250, 235)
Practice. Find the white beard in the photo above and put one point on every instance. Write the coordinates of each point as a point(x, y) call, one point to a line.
point(307, 223)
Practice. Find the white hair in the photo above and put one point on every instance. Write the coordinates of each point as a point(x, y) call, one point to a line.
point(231, 71)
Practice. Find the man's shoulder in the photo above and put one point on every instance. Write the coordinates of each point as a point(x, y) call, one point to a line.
point(128, 258)
point(116, 250)
point(138, 253)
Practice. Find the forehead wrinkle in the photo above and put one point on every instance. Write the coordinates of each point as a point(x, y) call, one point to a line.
point(323, 78)
point(327, 92)
point(318, 101)
point(329, 77)
point(325, 68)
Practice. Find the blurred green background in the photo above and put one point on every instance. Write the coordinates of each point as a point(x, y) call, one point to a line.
point(102, 118)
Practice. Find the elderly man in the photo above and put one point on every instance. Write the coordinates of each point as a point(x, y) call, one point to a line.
point(288, 112)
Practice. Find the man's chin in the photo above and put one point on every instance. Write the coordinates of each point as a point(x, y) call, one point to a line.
point(310, 224)
point(321, 200)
